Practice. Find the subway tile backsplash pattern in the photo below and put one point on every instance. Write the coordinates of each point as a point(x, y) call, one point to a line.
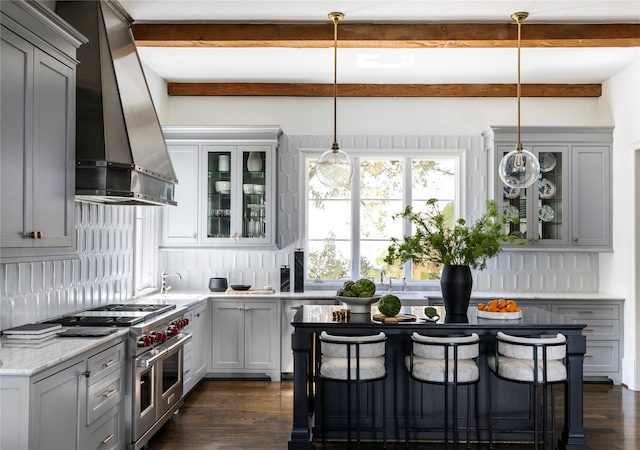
point(102, 273)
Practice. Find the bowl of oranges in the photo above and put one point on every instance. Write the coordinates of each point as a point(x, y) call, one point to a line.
point(499, 309)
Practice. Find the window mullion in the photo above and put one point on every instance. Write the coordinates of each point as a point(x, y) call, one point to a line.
point(407, 198)
point(355, 220)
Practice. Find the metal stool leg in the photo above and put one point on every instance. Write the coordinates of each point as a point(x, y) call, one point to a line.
point(384, 417)
point(490, 404)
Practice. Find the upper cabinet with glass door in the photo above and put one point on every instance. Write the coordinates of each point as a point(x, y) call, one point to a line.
point(235, 194)
point(540, 208)
point(240, 200)
point(568, 207)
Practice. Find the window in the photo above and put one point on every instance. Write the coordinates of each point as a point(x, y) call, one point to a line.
point(349, 229)
point(145, 257)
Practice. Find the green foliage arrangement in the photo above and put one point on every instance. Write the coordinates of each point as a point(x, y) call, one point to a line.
point(460, 245)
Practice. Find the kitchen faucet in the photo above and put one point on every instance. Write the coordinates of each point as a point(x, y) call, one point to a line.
point(164, 289)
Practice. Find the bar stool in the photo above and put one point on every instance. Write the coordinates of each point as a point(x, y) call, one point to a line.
point(538, 362)
point(354, 360)
point(447, 361)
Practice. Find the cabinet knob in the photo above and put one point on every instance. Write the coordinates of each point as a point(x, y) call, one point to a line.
point(575, 239)
point(198, 315)
point(240, 308)
point(36, 235)
point(86, 373)
point(246, 308)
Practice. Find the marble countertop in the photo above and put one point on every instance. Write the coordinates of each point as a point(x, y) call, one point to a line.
point(187, 298)
point(27, 361)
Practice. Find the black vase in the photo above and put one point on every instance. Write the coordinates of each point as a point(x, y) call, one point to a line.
point(456, 283)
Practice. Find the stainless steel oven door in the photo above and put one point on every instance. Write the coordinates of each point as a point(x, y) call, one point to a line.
point(170, 375)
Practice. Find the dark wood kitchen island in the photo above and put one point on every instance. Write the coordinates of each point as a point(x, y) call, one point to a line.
point(511, 401)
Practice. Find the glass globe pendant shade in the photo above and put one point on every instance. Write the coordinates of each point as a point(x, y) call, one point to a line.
point(334, 168)
point(519, 168)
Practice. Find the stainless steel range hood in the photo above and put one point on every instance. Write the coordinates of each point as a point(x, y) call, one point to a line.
point(121, 155)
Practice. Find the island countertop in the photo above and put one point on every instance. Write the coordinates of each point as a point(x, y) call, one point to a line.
point(532, 318)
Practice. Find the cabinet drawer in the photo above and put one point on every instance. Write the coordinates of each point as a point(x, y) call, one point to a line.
point(602, 329)
point(105, 362)
point(601, 356)
point(103, 395)
point(586, 312)
point(107, 433)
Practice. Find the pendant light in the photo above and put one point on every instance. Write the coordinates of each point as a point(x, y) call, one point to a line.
point(519, 168)
point(334, 168)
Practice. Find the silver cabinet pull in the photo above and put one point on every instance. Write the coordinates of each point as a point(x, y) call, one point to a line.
point(588, 330)
point(108, 438)
point(588, 356)
point(585, 312)
point(109, 393)
point(110, 362)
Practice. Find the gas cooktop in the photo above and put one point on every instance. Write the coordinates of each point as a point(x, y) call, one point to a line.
point(132, 307)
point(96, 321)
point(112, 315)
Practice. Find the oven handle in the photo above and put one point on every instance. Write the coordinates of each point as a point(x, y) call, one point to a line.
point(185, 338)
point(146, 362)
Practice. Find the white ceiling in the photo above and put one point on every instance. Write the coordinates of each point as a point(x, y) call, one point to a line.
point(373, 65)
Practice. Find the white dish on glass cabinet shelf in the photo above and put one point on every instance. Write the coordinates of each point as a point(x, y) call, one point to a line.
point(547, 161)
point(546, 213)
point(546, 188)
point(510, 210)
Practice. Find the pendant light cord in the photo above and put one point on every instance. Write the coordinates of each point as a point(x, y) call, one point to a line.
point(519, 17)
point(335, 17)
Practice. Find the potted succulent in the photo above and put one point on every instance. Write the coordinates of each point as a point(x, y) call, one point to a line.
point(458, 248)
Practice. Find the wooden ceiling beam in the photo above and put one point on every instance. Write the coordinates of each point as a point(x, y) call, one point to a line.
point(390, 35)
point(382, 90)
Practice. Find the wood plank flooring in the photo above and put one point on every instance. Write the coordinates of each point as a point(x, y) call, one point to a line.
point(256, 415)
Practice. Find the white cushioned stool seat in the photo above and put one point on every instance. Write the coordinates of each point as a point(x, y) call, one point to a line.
point(336, 368)
point(433, 370)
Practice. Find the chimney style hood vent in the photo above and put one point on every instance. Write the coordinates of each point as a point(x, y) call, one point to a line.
point(121, 155)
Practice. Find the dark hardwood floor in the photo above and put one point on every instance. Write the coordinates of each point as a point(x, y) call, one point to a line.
point(256, 415)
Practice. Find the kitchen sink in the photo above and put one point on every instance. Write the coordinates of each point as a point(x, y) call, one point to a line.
point(408, 298)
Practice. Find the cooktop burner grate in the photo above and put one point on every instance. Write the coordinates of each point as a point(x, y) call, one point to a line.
point(117, 307)
point(92, 321)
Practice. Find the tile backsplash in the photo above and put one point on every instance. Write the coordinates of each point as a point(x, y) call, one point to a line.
point(103, 270)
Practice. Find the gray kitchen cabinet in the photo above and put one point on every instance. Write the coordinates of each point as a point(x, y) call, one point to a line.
point(77, 404)
point(180, 223)
point(37, 152)
point(604, 332)
point(195, 350)
point(591, 196)
point(58, 403)
point(569, 207)
point(245, 338)
point(230, 187)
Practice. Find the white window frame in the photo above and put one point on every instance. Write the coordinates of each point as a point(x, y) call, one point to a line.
point(145, 254)
point(458, 155)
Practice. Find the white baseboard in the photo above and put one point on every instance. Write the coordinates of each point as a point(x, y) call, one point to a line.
point(630, 374)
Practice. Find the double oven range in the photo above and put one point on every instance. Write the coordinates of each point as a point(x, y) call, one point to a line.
point(155, 350)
